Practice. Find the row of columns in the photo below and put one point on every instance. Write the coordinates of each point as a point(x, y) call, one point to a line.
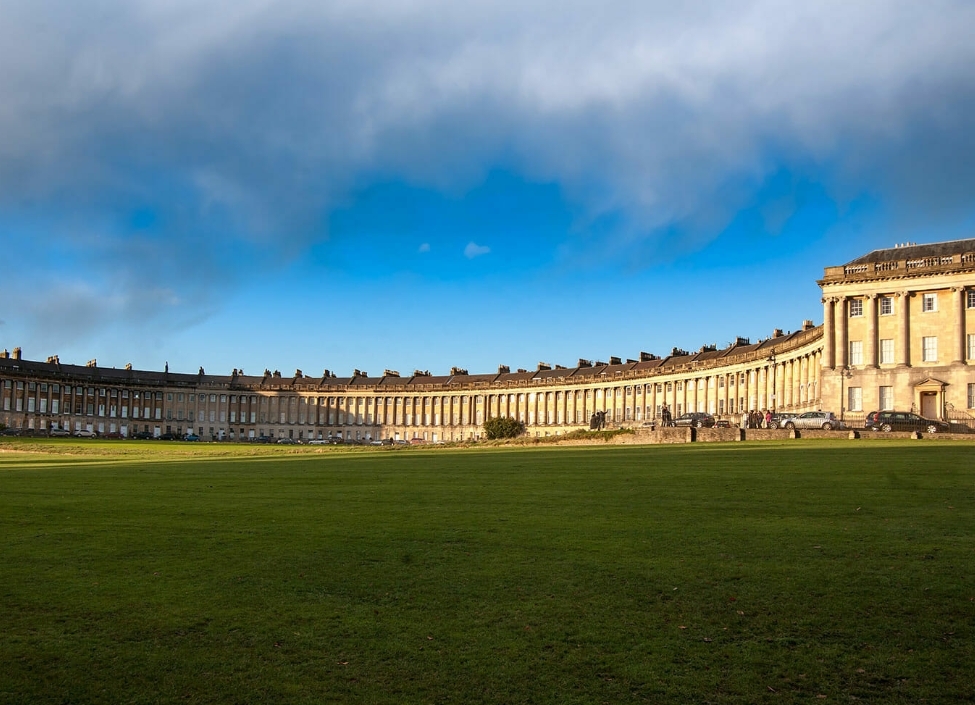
point(836, 344)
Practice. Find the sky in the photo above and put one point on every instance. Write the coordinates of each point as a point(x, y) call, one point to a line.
point(423, 184)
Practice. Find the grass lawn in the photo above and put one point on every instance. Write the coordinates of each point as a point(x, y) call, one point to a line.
point(723, 573)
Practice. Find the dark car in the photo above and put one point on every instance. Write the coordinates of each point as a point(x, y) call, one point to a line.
point(698, 419)
point(10, 432)
point(871, 419)
point(191, 437)
point(167, 437)
point(906, 421)
point(142, 436)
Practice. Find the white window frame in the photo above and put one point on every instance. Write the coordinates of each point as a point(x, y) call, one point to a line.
point(929, 348)
point(929, 303)
point(854, 399)
point(886, 351)
point(856, 308)
point(886, 398)
point(886, 302)
point(856, 352)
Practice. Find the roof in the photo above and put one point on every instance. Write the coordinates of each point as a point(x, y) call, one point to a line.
point(934, 249)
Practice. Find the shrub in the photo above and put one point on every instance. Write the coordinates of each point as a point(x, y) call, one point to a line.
point(503, 427)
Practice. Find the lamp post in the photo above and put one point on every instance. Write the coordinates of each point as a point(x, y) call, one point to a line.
point(771, 361)
point(845, 374)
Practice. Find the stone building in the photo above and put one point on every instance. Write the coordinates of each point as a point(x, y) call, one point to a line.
point(899, 332)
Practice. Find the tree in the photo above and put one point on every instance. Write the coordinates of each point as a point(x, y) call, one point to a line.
point(503, 427)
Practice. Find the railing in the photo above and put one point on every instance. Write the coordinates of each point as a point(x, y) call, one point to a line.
point(858, 271)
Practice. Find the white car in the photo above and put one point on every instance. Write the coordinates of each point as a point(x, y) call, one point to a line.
point(84, 433)
point(825, 420)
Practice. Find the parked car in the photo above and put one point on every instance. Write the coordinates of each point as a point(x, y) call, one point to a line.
point(167, 437)
point(142, 436)
point(825, 420)
point(191, 437)
point(417, 441)
point(722, 423)
point(319, 442)
point(905, 421)
point(779, 419)
point(698, 419)
point(871, 419)
point(287, 442)
point(59, 432)
point(10, 432)
point(84, 433)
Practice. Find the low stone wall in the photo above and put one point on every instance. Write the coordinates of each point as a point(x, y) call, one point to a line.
point(666, 436)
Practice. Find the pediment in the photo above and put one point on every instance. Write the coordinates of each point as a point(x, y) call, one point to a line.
point(931, 384)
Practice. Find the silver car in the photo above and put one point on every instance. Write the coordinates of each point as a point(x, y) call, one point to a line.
point(825, 420)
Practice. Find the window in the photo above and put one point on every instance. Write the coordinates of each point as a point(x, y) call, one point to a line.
point(856, 308)
point(856, 352)
point(971, 346)
point(970, 296)
point(886, 305)
point(971, 396)
point(886, 398)
point(886, 351)
point(929, 302)
point(855, 399)
point(929, 348)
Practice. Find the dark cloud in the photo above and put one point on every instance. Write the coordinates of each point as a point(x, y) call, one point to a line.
point(241, 125)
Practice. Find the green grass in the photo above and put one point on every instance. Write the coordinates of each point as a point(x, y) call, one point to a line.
point(722, 573)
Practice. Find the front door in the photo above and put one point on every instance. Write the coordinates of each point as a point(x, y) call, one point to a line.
point(929, 405)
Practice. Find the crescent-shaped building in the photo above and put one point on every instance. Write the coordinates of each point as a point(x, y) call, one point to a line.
point(898, 333)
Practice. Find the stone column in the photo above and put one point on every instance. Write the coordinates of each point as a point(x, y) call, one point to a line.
point(828, 331)
point(959, 301)
point(842, 335)
point(903, 355)
point(870, 344)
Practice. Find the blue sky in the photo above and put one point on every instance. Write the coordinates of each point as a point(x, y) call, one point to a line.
point(427, 184)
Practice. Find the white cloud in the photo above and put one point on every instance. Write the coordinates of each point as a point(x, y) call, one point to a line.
point(425, 247)
point(474, 250)
point(257, 117)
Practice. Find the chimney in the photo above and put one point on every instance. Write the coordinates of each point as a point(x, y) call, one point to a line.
point(4, 355)
point(544, 366)
point(503, 369)
point(457, 371)
point(585, 363)
point(615, 361)
point(16, 353)
point(777, 333)
point(128, 366)
point(390, 373)
point(807, 325)
point(91, 363)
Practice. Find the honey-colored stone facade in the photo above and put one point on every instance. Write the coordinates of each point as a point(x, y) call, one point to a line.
point(881, 315)
point(899, 331)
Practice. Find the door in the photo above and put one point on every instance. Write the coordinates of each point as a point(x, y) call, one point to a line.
point(929, 405)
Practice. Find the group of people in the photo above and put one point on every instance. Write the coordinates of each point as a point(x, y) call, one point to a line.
point(757, 419)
